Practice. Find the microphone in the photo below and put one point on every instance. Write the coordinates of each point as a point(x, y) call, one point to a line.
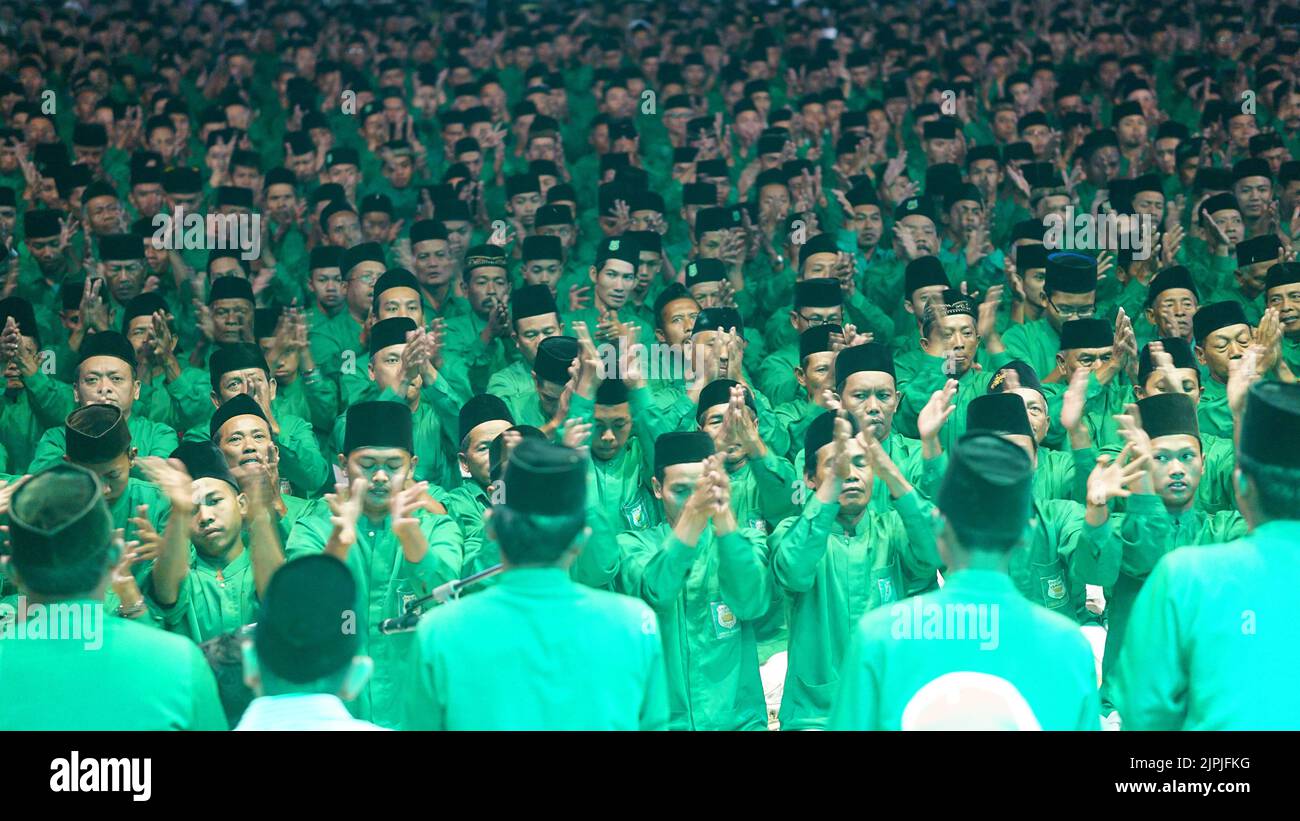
point(443, 593)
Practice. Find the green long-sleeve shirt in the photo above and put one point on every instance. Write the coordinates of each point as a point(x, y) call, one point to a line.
point(538, 652)
point(386, 584)
point(978, 624)
point(433, 447)
point(705, 598)
point(213, 598)
point(1036, 343)
point(831, 577)
point(1212, 637)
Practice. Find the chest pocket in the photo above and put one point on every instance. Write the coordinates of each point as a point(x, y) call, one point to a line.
point(1047, 579)
point(886, 582)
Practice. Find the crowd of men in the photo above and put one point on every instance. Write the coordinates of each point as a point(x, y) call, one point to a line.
point(734, 348)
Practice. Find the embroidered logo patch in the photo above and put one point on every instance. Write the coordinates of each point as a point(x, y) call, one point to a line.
point(725, 623)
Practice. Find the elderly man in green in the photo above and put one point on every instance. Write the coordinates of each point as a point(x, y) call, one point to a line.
point(837, 559)
point(988, 632)
point(379, 525)
point(1211, 642)
point(707, 579)
point(63, 552)
point(538, 651)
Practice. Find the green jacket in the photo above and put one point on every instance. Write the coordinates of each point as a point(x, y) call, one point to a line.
point(1211, 643)
point(1036, 343)
point(386, 584)
point(977, 624)
point(148, 437)
point(1147, 532)
point(538, 652)
point(143, 679)
point(831, 577)
point(213, 600)
point(705, 598)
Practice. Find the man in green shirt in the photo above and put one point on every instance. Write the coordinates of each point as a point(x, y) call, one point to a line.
point(816, 302)
point(243, 434)
point(1211, 638)
point(1071, 293)
point(171, 393)
point(707, 583)
point(971, 656)
point(33, 401)
point(1167, 503)
point(105, 375)
point(837, 559)
point(208, 576)
point(1222, 334)
point(539, 651)
point(481, 420)
point(380, 526)
point(534, 317)
point(63, 551)
point(1283, 293)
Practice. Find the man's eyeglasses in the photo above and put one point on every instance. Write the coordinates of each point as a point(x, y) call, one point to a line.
point(816, 320)
point(1074, 311)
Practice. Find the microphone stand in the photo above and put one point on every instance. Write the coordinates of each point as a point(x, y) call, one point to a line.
point(441, 594)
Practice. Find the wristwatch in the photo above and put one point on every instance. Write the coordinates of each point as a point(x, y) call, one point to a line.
point(130, 612)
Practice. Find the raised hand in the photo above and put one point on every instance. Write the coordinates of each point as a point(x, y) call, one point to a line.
point(1073, 401)
point(931, 419)
point(148, 542)
point(345, 505)
point(171, 477)
point(1111, 477)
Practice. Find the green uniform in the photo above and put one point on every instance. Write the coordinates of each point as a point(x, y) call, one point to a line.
point(1212, 413)
point(1147, 532)
point(386, 583)
point(1036, 343)
point(1212, 638)
point(25, 415)
point(892, 656)
point(178, 404)
point(433, 447)
point(213, 599)
point(143, 679)
point(149, 438)
point(776, 375)
point(538, 652)
point(705, 598)
point(832, 576)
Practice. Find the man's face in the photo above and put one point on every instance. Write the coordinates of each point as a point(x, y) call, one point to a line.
point(285, 365)
point(676, 487)
point(872, 397)
point(1132, 131)
point(953, 336)
point(611, 428)
point(147, 198)
point(855, 489)
point(1286, 298)
point(964, 217)
point(1252, 278)
point(524, 208)
point(816, 374)
point(433, 262)
point(218, 517)
point(986, 175)
point(139, 332)
point(922, 228)
point(13, 376)
point(125, 278)
point(233, 319)
point(400, 302)
point(327, 286)
point(1177, 467)
point(1221, 346)
point(866, 222)
point(929, 297)
point(531, 330)
point(543, 272)
point(387, 470)
point(344, 174)
point(361, 285)
point(106, 380)
point(487, 287)
point(246, 440)
point(1039, 138)
point(544, 148)
point(1088, 359)
point(386, 366)
point(344, 229)
point(281, 202)
point(45, 250)
point(1240, 129)
point(113, 475)
point(678, 319)
point(104, 214)
point(476, 456)
point(808, 317)
point(1188, 378)
point(1253, 195)
point(567, 234)
point(163, 141)
point(713, 422)
point(1230, 220)
point(1036, 410)
point(1166, 155)
point(1172, 312)
point(398, 170)
point(1004, 126)
point(1102, 166)
point(253, 381)
point(1151, 203)
point(614, 283)
point(1063, 307)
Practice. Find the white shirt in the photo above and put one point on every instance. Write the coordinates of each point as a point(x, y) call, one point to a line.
point(301, 711)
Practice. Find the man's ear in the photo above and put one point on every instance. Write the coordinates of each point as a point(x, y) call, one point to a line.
point(657, 487)
point(925, 344)
point(1060, 359)
point(800, 376)
point(794, 318)
point(242, 502)
point(216, 399)
point(1200, 355)
point(592, 274)
point(342, 459)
